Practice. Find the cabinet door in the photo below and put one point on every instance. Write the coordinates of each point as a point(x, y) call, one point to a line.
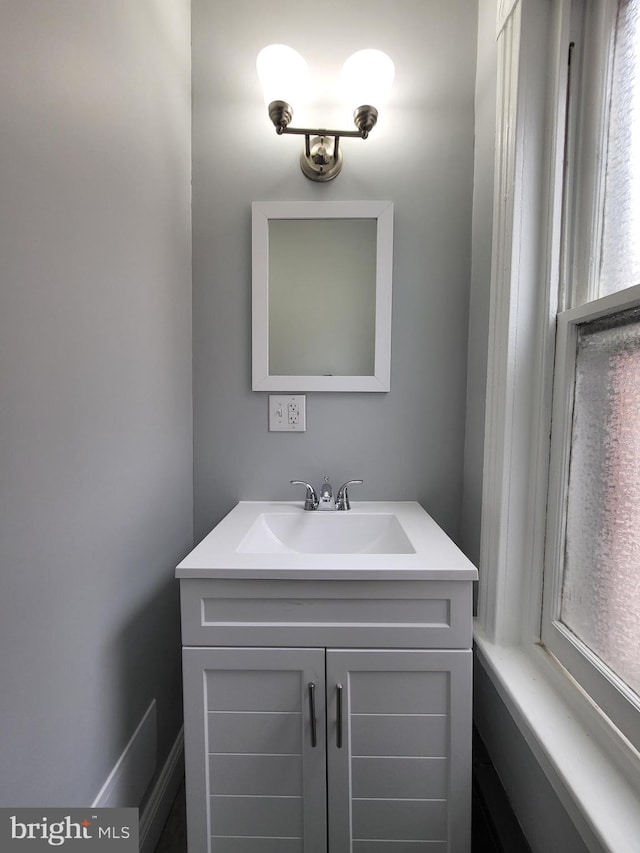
point(255, 773)
point(402, 774)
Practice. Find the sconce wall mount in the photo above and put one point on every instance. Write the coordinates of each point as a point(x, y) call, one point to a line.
point(366, 72)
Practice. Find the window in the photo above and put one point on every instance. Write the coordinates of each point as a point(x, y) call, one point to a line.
point(546, 304)
point(591, 615)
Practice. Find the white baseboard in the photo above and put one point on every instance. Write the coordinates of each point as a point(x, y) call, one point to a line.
point(161, 798)
point(129, 780)
point(135, 768)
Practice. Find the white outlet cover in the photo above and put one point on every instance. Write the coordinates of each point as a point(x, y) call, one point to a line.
point(287, 413)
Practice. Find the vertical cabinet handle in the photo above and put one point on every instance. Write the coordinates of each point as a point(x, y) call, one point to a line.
point(312, 714)
point(339, 716)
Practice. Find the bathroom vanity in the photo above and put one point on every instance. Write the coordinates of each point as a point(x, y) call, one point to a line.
point(327, 682)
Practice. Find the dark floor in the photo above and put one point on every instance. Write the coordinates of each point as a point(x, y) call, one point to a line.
point(174, 834)
point(494, 827)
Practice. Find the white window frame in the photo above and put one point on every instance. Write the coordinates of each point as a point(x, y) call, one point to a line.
point(595, 772)
point(611, 694)
point(586, 138)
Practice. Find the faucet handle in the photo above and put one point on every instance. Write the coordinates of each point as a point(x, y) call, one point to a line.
point(342, 500)
point(311, 498)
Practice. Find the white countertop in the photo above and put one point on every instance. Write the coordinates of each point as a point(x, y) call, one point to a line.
point(436, 557)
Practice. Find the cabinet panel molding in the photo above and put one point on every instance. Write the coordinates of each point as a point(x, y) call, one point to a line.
point(369, 613)
point(406, 777)
point(265, 691)
point(417, 735)
point(407, 820)
point(393, 692)
point(249, 733)
point(263, 817)
point(395, 847)
point(279, 775)
point(261, 845)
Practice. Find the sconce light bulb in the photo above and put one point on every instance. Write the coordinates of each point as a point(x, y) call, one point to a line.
point(283, 73)
point(367, 78)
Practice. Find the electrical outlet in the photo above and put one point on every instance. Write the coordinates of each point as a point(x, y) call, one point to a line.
point(287, 413)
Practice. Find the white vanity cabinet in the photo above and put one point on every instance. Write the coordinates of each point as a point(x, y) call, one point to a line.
point(327, 710)
point(382, 768)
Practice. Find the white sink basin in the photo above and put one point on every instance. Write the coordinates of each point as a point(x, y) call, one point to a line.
point(326, 533)
point(382, 540)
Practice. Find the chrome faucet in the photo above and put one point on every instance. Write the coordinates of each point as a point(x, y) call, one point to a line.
point(342, 500)
point(311, 498)
point(326, 496)
point(326, 500)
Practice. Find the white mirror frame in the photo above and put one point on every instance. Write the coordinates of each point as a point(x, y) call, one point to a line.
point(262, 213)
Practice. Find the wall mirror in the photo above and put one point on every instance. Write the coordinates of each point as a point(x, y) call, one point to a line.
point(322, 276)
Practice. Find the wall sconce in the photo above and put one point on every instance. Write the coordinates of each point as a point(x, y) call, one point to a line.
point(366, 79)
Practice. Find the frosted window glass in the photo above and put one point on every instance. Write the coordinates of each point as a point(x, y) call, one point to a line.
point(620, 260)
point(601, 583)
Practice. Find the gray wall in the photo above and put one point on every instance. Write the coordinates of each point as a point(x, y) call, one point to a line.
point(408, 443)
point(545, 822)
point(95, 385)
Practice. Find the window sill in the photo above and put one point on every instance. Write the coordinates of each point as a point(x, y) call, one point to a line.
point(594, 773)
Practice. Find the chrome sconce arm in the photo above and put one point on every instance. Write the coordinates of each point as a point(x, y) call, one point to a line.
point(321, 159)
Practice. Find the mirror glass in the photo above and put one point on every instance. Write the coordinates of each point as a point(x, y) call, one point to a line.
point(322, 296)
point(332, 297)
